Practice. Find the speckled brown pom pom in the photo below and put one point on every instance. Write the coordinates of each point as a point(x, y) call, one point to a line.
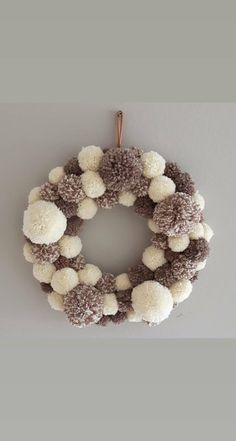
point(144, 206)
point(184, 184)
point(108, 199)
point(118, 318)
point(137, 151)
point(164, 275)
point(83, 305)
point(141, 187)
point(49, 192)
point(197, 250)
point(77, 263)
point(195, 277)
point(170, 255)
point(139, 274)
point(69, 209)
point(46, 287)
point(124, 306)
point(160, 240)
point(172, 170)
point(45, 253)
point(104, 321)
point(183, 268)
point(125, 295)
point(106, 283)
point(73, 226)
point(176, 215)
point(120, 169)
point(70, 188)
point(72, 167)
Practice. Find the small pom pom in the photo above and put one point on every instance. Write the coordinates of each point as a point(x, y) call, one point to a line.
point(43, 273)
point(56, 174)
point(208, 232)
point(64, 280)
point(110, 306)
point(87, 209)
point(181, 290)
point(104, 321)
point(153, 164)
point(93, 184)
point(122, 282)
point(83, 306)
point(72, 167)
point(133, 317)
point(183, 268)
point(153, 257)
point(34, 195)
point(70, 188)
point(76, 263)
point(197, 232)
point(172, 170)
point(73, 226)
point(106, 283)
point(45, 253)
point(139, 273)
point(197, 250)
point(70, 246)
point(153, 227)
point(179, 243)
point(46, 287)
point(160, 240)
point(27, 252)
point(141, 187)
point(201, 265)
point(49, 192)
point(55, 300)
point(108, 199)
point(160, 188)
point(69, 209)
point(90, 275)
point(90, 157)
point(164, 275)
point(144, 206)
point(199, 199)
point(118, 318)
point(184, 183)
point(127, 198)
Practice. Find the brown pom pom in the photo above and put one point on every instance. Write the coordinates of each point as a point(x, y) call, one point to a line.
point(46, 287)
point(118, 318)
point(45, 253)
point(141, 187)
point(198, 250)
point(69, 209)
point(183, 268)
point(195, 277)
point(184, 184)
point(70, 188)
point(120, 169)
point(137, 151)
point(77, 263)
point(170, 255)
point(72, 167)
point(176, 215)
point(83, 305)
point(172, 170)
point(106, 283)
point(139, 274)
point(124, 296)
point(104, 321)
point(124, 306)
point(49, 192)
point(164, 275)
point(144, 206)
point(108, 199)
point(160, 240)
point(73, 226)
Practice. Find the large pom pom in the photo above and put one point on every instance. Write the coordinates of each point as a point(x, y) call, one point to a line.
point(83, 305)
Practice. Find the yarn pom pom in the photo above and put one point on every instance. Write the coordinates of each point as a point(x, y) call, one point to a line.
point(182, 180)
point(46, 287)
point(181, 290)
point(160, 188)
point(141, 187)
point(110, 306)
point(197, 250)
point(45, 253)
point(183, 268)
point(64, 280)
point(69, 209)
point(93, 184)
point(72, 167)
point(144, 206)
point(56, 174)
point(70, 188)
point(153, 257)
point(160, 240)
point(87, 209)
point(106, 283)
point(164, 275)
point(139, 273)
point(153, 164)
point(73, 226)
point(90, 157)
point(76, 263)
point(83, 306)
point(108, 199)
point(49, 192)
point(55, 300)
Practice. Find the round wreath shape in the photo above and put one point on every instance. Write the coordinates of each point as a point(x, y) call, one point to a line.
point(157, 190)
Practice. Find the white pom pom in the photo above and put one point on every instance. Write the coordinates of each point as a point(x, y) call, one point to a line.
point(201, 265)
point(181, 290)
point(90, 157)
point(153, 257)
point(179, 243)
point(153, 227)
point(160, 188)
point(208, 232)
point(93, 184)
point(199, 199)
point(55, 300)
point(44, 272)
point(197, 232)
point(56, 174)
point(44, 222)
point(70, 246)
point(90, 275)
point(153, 164)
point(27, 252)
point(134, 317)
point(127, 198)
point(87, 209)
point(64, 280)
point(110, 306)
point(152, 301)
point(34, 195)
point(122, 282)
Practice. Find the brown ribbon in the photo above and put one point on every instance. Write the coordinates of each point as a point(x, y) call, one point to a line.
point(119, 128)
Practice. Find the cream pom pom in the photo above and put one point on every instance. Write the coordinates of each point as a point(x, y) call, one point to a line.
point(44, 222)
point(44, 272)
point(160, 188)
point(56, 174)
point(208, 232)
point(152, 301)
point(110, 306)
point(153, 164)
point(181, 290)
point(122, 282)
point(27, 252)
point(64, 280)
point(197, 232)
point(179, 243)
point(89, 157)
point(127, 198)
point(132, 316)
point(153, 257)
point(34, 195)
point(153, 227)
point(201, 265)
point(70, 246)
point(93, 184)
point(55, 300)
point(90, 275)
point(87, 209)
point(199, 199)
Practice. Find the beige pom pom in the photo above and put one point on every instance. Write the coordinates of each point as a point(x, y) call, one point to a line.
point(89, 157)
point(70, 246)
point(122, 282)
point(153, 227)
point(179, 243)
point(153, 257)
point(199, 199)
point(127, 198)
point(197, 232)
point(201, 265)
point(56, 174)
point(110, 306)
point(55, 300)
point(90, 275)
point(87, 209)
point(34, 195)
point(27, 252)
point(160, 188)
point(93, 184)
point(152, 301)
point(153, 164)
point(44, 273)
point(208, 232)
point(181, 290)
point(134, 317)
point(64, 280)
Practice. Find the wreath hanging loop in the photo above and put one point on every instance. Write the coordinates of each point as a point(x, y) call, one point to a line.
point(119, 128)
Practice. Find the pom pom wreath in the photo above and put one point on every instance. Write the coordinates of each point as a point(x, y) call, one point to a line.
point(153, 257)
point(45, 253)
point(181, 290)
point(90, 157)
point(153, 164)
point(83, 305)
point(153, 227)
point(72, 167)
point(199, 199)
point(56, 174)
point(64, 280)
point(73, 226)
point(183, 268)
point(46, 287)
point(152, 301)
point(208, 232)
point(55, 300)
point(90, 275)
point(176, 215)
point(134, 317)
point(144, 207)
point(49, 192)
point(197, 250)
point(197, 231)
point(164, 275)
point(76, 263)
point(122, 282)
point(139, 273)
point(110, 306)
point(106, 284)
point(69, 209)
point(108, 199)
point(141, 187)
point(93, 184)
point(120, 169)
point(160, 188)
point(70, 246)
point(160, 240)
point(44, 222)
point(87, 209)
point(34, 195)
point(127, 198)
point(70, 188)
point(179, 243)
point(27, 252)
point(43, 273)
